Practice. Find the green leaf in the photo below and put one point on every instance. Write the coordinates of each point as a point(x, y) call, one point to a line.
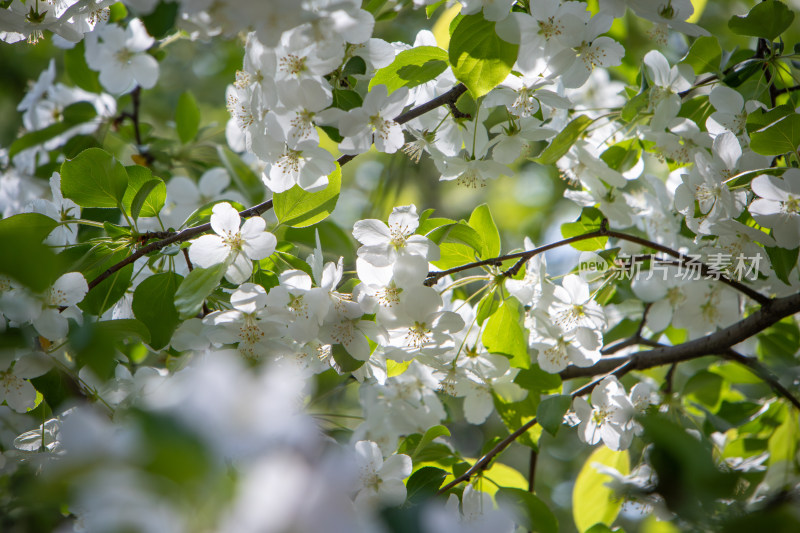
point(487, 306)
point(760, 119)
point(79, 72)
point(23, 256)
point(298, 208)
point(502, 475)
point(73, 114)
point(162, 20)
point(344, 361)
point(780, 137)
point(78, 113)
point(187, 117)
point(411, 68)
point(536, 380)
point(742, 72)
point(354, 66)
point(590, 220)
point(94, 179)
point(346, 99)
point(108, 292)
point(431, 9)
point(154, 305)
point(705, 388)
point(453, 254)
point(479, 58)
point(423, 484)
point(783, 262)
point(634, 106)
point(427, 438)
point(503, 333)
point(96, 344)
point(202, 214)
point(529, 511)
point(688, 476)
point(141, 189)
point(141, 196)
point(196, 287)
point(783, 441)
point(242, 175)
point(592, 500)
point(457, 232)
point(623, 155)
point(562, 142)
point(767, 19)
point(705, 55)
point(550, 413)
point(481, 220)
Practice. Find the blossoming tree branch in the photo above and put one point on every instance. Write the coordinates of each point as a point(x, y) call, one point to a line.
point(400, 265)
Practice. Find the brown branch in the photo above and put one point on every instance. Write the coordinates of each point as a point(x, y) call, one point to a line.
point(450, 97)
point(787, 90)
point(669, 378)
point(717, 343)
point(532, 471)
point(762, 49)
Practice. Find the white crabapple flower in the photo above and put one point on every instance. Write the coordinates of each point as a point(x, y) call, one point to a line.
point(778, 206)
point(573, 309)
point(556, 350)
point(305, 164)
point(472, 173)
point(418, 325)
point(731, 111)
point(383, 244)
point(487, 376)
point(232, 244)
point(607, 417)
point(667, 82)
point(375, 116)
point(120, 57)
point(67, 291)
point(592, 51)
point(493, 10)
point(380, 481)
point(15, 389)
point(247, 324)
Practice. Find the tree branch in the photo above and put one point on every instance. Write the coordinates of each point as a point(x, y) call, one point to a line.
point(717, 343)
point(450, 97)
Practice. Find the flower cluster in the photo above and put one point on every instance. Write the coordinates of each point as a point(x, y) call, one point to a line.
point(279, 371)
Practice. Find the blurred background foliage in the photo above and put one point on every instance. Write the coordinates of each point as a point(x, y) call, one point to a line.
point(529, 203)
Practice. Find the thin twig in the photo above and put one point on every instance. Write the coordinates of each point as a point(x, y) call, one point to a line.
point(718, 343)
point(633, 340)
point(669, 378)
point(524, 256)
point(532, 471)
point(787, 90)
point(447, 98)
point(761, 370)
point(482, 463)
